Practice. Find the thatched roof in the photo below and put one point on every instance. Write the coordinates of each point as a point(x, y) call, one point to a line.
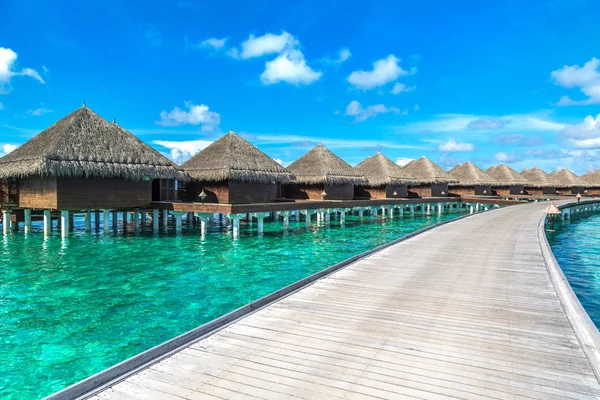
point(567, 179)
point(426, 171)
point(468, 174)
point(506, 176)
point(538, 178)
point(83, 144)
point(592, 178)
point(321, 166)
point(233, 158)
point(380, 170)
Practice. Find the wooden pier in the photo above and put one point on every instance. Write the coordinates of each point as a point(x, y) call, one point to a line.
point(472, 309)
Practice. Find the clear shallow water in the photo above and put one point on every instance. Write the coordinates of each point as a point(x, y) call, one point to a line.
point(69, 309)
point(576, 246)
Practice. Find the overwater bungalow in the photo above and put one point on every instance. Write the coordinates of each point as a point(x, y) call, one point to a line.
point(83, 162)
point(433, 180)
point(510, 182)
point(567, 182)
point(540, 182)
point(233, 171)
point(592, 182)
point(386, 179)
point(471, 181)
point(321, 175)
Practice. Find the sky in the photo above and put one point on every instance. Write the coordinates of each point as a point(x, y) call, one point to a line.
point(515, 82)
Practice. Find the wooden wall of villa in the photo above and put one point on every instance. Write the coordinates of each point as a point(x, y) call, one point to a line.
point(509, 190)
point(315, 192)
point(83, 193)
point(232, 192)
point(381, 192)
point(571, 191)
point(428, 190)
point(540, 191)
point(478, 190)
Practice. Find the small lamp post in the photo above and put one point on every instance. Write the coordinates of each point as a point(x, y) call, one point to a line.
point(551, 212)
point(395, 193)
point(443, 193)
point(323, 193)
point(202, 196)
point(485, 192)
point(578, 197)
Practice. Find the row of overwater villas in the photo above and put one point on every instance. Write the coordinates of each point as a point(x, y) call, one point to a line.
point(85, 162)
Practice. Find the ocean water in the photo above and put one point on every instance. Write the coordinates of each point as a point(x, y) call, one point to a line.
point(576, 246)
point(71, 308)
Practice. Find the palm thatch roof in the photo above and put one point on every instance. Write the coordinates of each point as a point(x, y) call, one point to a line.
point(592, 178)
point(506, 176)
point(380, 170)
point(233, 158)
point(468, 174)
point(321, 166)
point(567, 179)
point(426, 171)
point(83, 144)
point(538, 178)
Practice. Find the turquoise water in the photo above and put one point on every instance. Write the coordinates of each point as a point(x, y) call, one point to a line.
point(71, 308)
point(576, 246)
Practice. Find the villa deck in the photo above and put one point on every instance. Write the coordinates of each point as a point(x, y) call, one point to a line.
point(466, 310)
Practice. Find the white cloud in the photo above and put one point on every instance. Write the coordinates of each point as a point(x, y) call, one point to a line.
point(39, 111)
point(344, 55)
point(401, 161)
point(586, 79)
point(309, 141)
point(401, 88)
point(356, 110)
point(503, 157)
point(486, 123)
point(7, 148)
point(442, 123)
point(196, 115)
point(279, 161)
point(453, 146)
point(214, 43)
point(265, 44)
point(417, 108)
point(8, 59)
point(585, 135)
point(290, 66)
point(384, 71)
point(184, 150)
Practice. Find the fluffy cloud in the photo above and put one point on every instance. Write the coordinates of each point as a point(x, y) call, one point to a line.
point(401, 88)
point(486, 123)
point(266, 44)
point(196, 115)
point(384, 71)
point(586, 79)
point(506, 158)
point(356, 110)
point(213, 43)
point(585, 135)
point(39, 111)
point(453, 146)
point(184, 150)
point(290, 66)
point(343, 56)
point(8, 59)
point(401, 161)
point(7, 148)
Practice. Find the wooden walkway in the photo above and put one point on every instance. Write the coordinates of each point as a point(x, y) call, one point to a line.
point(466, 311)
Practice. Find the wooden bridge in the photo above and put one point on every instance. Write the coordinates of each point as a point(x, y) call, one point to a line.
point(476, 308)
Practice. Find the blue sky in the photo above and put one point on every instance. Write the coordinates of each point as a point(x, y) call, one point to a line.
point(486, 81)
